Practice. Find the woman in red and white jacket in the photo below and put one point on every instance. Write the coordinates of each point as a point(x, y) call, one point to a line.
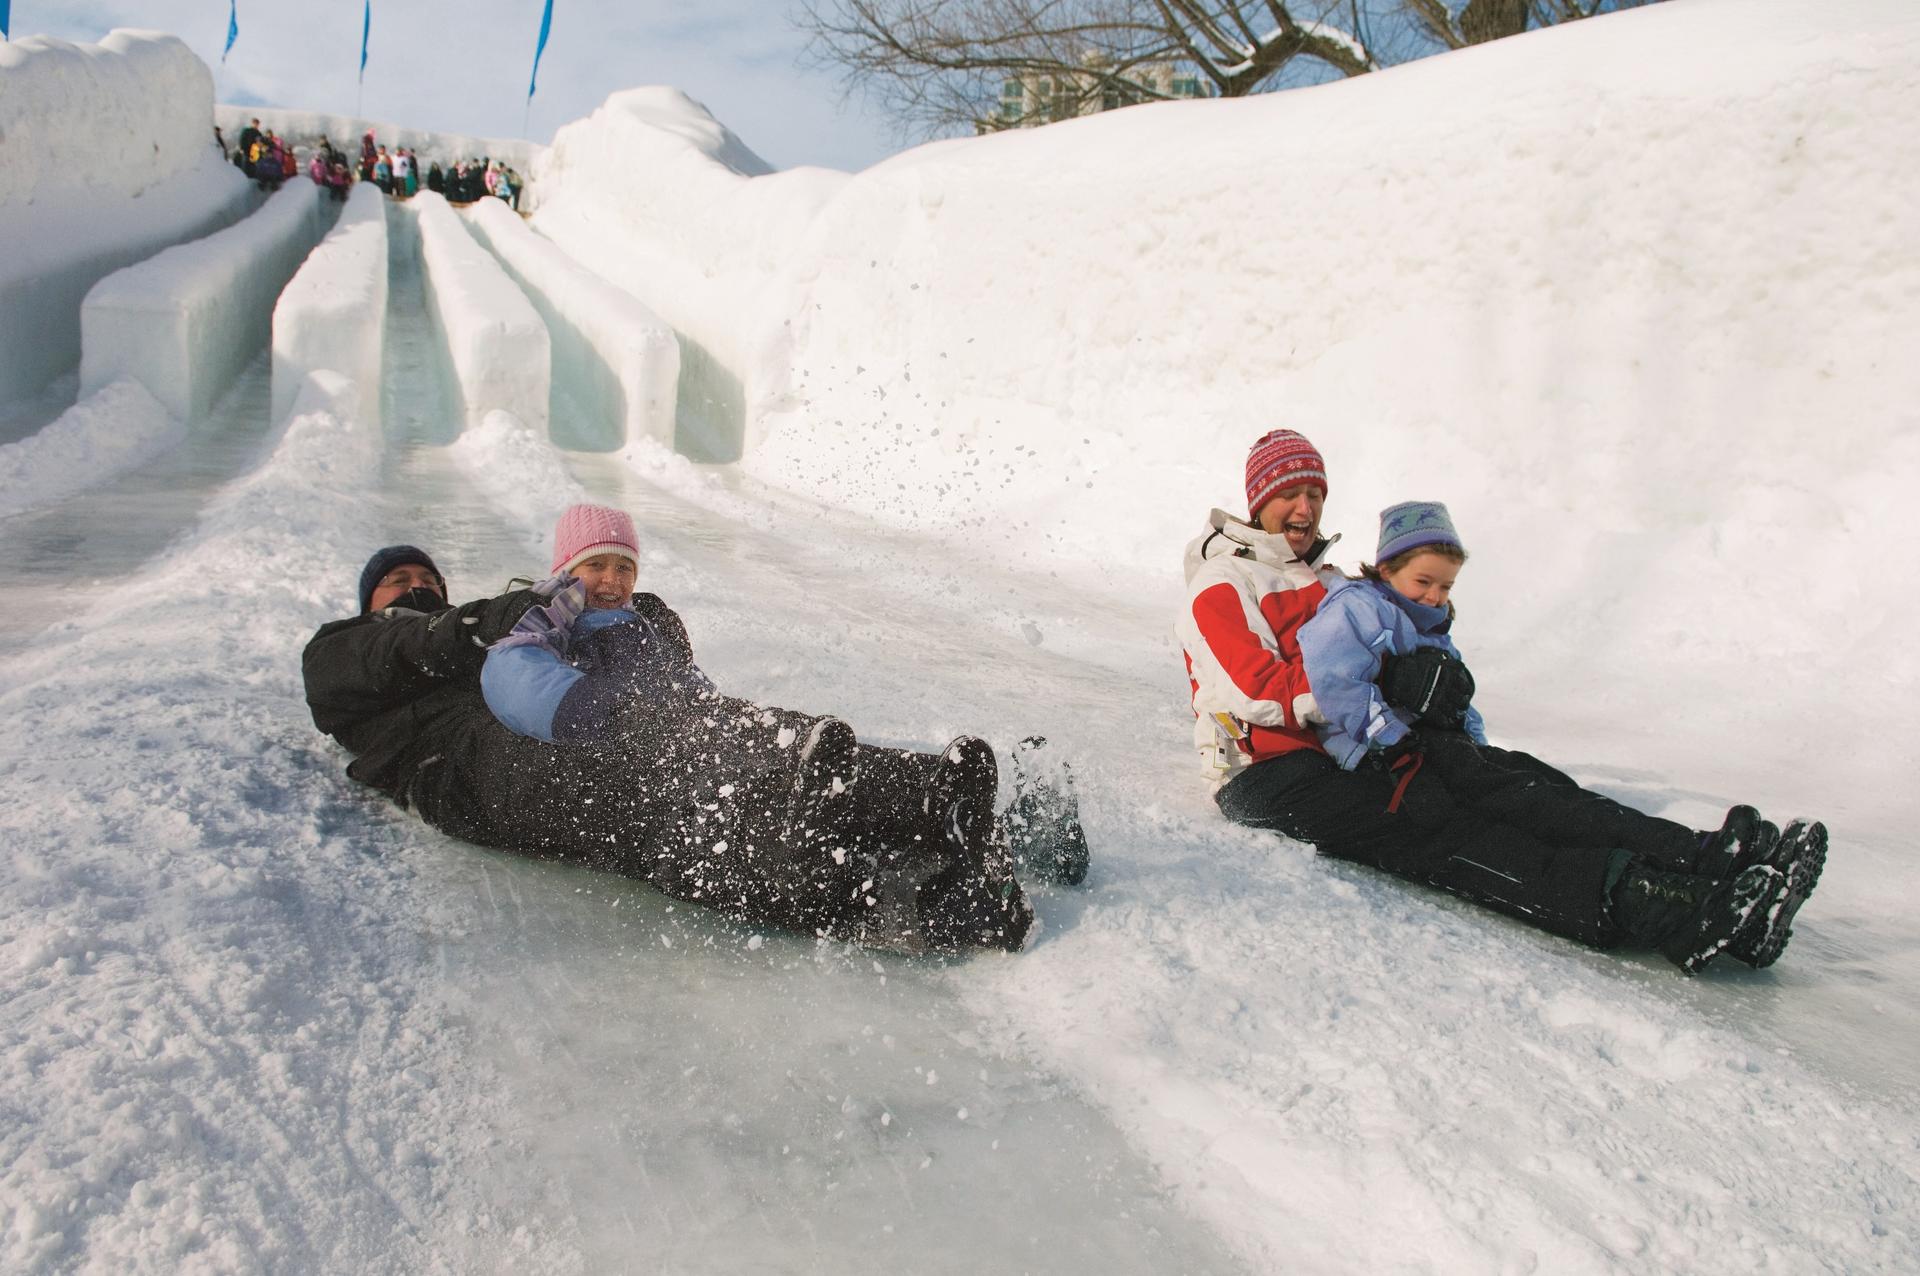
point(1250, 586)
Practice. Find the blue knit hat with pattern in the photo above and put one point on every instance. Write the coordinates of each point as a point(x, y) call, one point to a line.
point(384, 561)
point(1414, 525)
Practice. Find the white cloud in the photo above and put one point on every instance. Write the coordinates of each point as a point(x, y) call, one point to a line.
point(462, 65)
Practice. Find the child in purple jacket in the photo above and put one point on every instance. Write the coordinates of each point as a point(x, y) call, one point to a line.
point(1504, 828)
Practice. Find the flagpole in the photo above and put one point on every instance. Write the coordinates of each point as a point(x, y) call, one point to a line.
point(366, 32)
point(533, 81)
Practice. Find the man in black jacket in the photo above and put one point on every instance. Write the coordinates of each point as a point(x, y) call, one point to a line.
point(718, 807)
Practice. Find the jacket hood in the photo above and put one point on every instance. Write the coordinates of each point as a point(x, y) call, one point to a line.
point(1426, 620)
point(1230, 534)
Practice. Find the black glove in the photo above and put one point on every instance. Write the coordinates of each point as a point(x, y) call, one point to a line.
point(1388, 757)
point(1429, 684)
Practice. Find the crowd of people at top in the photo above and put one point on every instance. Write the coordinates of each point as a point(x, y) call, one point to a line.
point(270, 160)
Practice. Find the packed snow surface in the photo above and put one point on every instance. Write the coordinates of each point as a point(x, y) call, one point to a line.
point(1640, 318)
point(115, 429)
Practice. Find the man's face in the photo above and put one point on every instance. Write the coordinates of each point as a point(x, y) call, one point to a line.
point(1294, 512)
point(405, 577)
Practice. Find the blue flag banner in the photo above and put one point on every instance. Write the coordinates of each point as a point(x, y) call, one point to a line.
point(546, 25)
point(233, 27)
point(4, 6)
point(366, 29)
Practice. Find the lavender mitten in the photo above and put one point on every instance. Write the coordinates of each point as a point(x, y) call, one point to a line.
point(549, 626)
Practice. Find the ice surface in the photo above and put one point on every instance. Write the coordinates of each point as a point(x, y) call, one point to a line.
point(495, 344)
point(105, 157)
point(333, 313)
point(256, 1018)
point(619, 359)
point(183, 323)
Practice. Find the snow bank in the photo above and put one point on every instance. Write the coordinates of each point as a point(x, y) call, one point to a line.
point(115, 429)
point(1687, 282)
point(185, 322)
point(519, 475)
point(305, 129)
point(618, 356)
point(495, 344)
point(334, 312)
point(108, 157)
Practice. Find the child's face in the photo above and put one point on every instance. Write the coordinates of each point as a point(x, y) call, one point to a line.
point(1426, 578)
point(609, 579)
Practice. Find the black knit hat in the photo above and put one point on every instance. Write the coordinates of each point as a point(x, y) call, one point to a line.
point(384, 561)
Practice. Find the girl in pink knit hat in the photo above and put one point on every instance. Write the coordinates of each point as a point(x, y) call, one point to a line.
point(772, 815)
point(598, 546)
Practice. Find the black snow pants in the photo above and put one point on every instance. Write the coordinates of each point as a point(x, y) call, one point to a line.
point(694, 804)
point(1501, 828)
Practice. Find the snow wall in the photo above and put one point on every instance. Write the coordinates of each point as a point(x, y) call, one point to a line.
point(108, 158)
point(305, 129)
point(713, 248)
point(1687, 282)
point(495, 344)
point(333, 315)
point(618, 356)
point(185, 322)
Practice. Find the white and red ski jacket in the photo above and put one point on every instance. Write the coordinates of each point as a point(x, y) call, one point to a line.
point(1247, 596)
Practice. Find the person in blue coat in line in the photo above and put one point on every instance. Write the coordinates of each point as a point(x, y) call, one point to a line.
point(1426, 797)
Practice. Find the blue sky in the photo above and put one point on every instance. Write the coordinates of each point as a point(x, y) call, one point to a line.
point(462, 65)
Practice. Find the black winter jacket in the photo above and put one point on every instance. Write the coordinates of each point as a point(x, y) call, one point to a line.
point(398, 687)
point(395, 685)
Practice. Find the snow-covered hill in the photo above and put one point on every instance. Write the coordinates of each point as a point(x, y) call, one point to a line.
point(1639, 314)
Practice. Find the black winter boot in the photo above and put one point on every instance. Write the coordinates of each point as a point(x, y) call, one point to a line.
point(1690, 919)
point(1798, 854)
point(977, 902)
point(1043, 822)
point(819, 805)
point(1742, 840)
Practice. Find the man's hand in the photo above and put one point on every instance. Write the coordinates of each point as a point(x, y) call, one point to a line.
point(549, 626)
point(1432, 686)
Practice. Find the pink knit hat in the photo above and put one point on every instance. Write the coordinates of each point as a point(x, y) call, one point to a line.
point(1281, 459)
point(586, 530)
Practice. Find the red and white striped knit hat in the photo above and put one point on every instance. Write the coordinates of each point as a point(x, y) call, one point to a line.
point(1281, 459)
point(586, 530)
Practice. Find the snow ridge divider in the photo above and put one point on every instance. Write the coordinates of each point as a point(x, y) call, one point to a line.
point(333, 314)
point(185, 323)
point(496, 345)
point(622, 356)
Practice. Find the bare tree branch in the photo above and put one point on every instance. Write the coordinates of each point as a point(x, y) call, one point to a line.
point(947, 66)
